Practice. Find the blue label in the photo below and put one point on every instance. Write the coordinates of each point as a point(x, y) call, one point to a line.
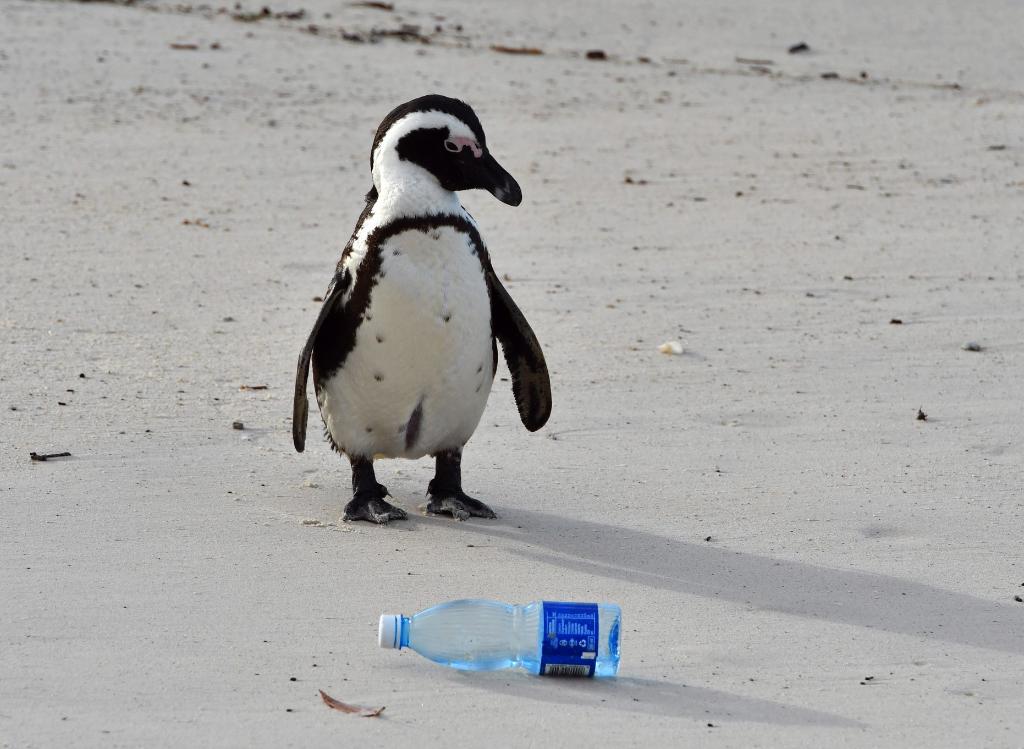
point(568, 639)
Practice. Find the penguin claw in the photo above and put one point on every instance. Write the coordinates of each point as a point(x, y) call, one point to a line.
point(460, 506)
point(374, 510)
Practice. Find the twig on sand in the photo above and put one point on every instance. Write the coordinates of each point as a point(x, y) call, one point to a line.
point(43, 457)
point(517, 50)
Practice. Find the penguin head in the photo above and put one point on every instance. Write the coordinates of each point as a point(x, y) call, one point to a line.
point(441, 137)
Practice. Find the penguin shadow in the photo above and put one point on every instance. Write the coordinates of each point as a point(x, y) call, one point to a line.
point(862, 599)
point(651, 697)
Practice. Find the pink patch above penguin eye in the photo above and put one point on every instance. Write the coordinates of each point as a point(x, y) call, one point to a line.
point(455, 145)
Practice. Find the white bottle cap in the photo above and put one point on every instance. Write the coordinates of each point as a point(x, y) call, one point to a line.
point(389, 631)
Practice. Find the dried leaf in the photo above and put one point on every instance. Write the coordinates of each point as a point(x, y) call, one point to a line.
point(363, 712)
point(253, 387)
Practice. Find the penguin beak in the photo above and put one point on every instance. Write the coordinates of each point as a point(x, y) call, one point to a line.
point(489, 175)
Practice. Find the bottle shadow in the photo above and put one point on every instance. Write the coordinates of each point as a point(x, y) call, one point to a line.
point(652, 697)
point(862, 599)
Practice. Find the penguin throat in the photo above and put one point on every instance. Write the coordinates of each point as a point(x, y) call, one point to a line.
point(406, 189)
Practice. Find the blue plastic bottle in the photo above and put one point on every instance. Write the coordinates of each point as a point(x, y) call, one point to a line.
point(548, 637)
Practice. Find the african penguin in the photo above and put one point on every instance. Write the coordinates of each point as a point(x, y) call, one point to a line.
point(404, 350)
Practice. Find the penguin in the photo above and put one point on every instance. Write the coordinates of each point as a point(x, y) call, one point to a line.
point(404, 349)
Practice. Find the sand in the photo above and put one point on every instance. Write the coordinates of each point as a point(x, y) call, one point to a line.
point(800, 560)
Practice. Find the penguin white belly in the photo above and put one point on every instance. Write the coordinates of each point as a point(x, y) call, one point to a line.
point(418, 377)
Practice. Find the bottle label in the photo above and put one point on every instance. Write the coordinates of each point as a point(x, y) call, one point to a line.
point(569, 639)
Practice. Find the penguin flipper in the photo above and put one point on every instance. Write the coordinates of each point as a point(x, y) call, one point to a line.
point(531, 385)
point(300, 405)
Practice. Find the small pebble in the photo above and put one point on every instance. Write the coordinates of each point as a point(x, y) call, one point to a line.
point(971, 346)
point(237, 425)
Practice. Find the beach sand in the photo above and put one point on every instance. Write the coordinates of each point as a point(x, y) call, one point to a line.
point(800, 559)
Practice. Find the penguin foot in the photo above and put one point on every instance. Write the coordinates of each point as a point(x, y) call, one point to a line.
point(373, 509)
point(459, 505)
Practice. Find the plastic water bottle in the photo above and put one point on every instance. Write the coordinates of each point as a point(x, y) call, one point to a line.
point(546, 637)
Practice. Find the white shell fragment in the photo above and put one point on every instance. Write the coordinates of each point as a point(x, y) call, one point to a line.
point(674, 348)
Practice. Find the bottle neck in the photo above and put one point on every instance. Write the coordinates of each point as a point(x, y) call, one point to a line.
point(404, 624)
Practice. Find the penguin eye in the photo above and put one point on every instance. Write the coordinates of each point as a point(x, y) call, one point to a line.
point(452, 146)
